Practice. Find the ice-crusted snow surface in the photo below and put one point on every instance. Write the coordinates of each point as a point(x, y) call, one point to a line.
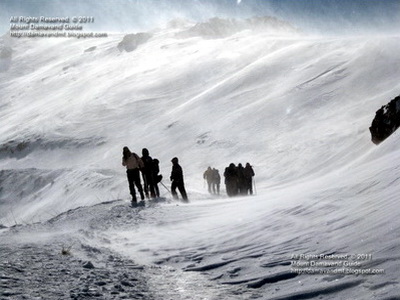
point(297, 107)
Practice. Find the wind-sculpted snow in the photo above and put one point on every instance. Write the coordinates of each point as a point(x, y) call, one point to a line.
point(32, 195)
point(22, 148)
point(249, 242)
point(221, 28)
point(6, 54)
point(245, 244)
point(297, 108)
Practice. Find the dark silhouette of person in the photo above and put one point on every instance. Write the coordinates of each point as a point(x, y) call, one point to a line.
point(177, 180)
point(248, 176)
point(216, 181)
point(209, 176)
point(156, 177)
point(231, 180)
point(147, 173)
point(133, 164)
point(241, 180)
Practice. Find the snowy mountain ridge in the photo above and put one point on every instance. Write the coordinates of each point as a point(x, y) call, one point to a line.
point(296, 107)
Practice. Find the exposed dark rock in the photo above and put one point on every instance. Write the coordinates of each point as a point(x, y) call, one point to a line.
point(126, 283)
point(386, 121)
point(131, 41)
point(88, 265)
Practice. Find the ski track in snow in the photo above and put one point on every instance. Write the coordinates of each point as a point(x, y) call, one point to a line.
point(298, 108)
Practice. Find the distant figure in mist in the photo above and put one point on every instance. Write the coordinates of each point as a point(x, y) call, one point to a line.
point(216, 181)
point(147, 173)
point(133, 164)
point(177, 180)
point(248, 177)
point(209, 177)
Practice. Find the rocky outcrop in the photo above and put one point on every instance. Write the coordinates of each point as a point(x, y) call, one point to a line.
point(131, 41)
point(386, 121)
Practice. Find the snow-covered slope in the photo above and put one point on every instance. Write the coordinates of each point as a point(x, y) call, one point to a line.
point(297, 107)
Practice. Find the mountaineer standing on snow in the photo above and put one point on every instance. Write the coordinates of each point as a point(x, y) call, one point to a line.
point(248, 176)
point(208, 175)
point(147, 173)
point(156, 176)
point(133, 163)
point(241, 180)
point(216, 181)
point(231, 180)
point(177, 180)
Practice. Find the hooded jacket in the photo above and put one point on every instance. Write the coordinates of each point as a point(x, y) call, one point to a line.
point(133, 162)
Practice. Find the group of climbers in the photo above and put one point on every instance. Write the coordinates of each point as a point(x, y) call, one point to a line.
point(239, 179)
point(149, 168)
point(211, 175)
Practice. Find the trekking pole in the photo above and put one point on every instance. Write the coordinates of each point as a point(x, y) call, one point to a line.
point(165, 187)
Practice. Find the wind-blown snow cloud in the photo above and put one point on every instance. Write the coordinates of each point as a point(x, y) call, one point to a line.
point(332, 16)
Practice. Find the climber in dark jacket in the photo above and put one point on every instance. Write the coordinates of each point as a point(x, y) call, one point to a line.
point(231, 180)
point(248, 176)
point(241, 180)
point(216, 181)
point(147, 173)
point(209, 176)
point(177, 180)
point(156, 176)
